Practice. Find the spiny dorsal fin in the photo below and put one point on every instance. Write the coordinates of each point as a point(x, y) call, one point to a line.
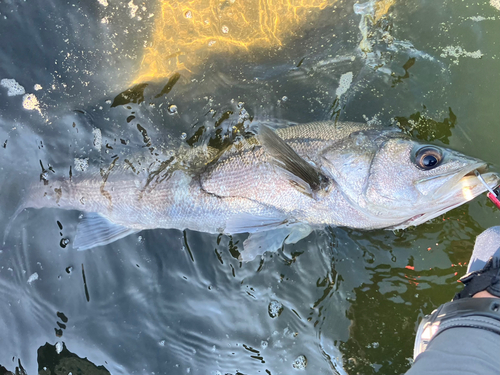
point(305, 175)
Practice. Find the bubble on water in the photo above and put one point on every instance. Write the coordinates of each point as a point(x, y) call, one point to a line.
point(263, 344)
point(32, 278)
point(183, 136)
point(300, 362)
point(37, 87)
point(44, 176)
point(275, 308)
point(81, 165)
point(211, 43)
point(225, 29)
point(456, 52)
point(285, 98)
point(104, 3)
point(172, 109)
point(13, 88)
point(344, 84)
point(188, 14)
point(133, 8)
point(64, 242)
point(162, 343)
point(59, 347)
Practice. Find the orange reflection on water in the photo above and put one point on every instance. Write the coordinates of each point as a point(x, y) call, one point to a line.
point(186, 33)
point(382, 7)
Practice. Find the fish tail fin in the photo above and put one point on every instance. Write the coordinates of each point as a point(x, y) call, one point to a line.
point(16, 194)
point(18, 197)
point(25, 175)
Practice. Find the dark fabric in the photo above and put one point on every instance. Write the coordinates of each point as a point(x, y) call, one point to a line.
point(487, 278)
point(461, 351)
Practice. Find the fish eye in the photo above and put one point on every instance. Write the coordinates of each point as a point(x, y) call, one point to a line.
point(428, 158)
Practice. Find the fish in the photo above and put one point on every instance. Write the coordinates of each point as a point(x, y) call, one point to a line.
point(277, 185)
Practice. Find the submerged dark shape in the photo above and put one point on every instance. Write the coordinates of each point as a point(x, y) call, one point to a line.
point(51, 362)
point(277, 186)
point(421, 127)
point(132, 95)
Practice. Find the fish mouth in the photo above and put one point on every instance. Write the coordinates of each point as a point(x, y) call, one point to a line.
point(462, 188)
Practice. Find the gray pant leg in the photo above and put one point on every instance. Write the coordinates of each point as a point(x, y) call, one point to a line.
point(460, 351)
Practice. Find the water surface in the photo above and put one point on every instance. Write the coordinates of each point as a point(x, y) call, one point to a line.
point(171, 302)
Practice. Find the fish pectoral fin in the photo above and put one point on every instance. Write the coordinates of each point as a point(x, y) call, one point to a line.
point(271, 240)
point(95, 230)
point(308, 178)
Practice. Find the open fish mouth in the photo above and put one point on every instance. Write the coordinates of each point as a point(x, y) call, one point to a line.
point(462, 188)
point(466, 177)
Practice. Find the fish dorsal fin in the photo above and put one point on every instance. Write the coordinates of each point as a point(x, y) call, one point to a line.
point(95, 230)
point(309, 178)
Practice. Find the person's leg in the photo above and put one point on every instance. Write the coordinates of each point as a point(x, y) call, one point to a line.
point(487, 245)
point(463, 336)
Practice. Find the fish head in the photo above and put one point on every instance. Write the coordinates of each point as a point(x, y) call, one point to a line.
point(399, 182)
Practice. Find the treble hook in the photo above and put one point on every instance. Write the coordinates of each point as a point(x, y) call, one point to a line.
point(492, 195)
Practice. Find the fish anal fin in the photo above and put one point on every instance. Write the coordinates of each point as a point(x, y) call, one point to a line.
point(95, 230)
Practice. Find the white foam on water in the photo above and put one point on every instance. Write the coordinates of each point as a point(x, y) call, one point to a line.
point(457, 52)
point(344, 84)
point(32, 278)
point(97, 138)
point(133, 8)
point(13, 88)
point(81, 165)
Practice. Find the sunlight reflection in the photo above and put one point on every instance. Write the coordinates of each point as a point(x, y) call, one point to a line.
point(186, 33)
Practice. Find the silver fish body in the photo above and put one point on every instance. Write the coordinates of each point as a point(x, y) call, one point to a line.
point(278, 186)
